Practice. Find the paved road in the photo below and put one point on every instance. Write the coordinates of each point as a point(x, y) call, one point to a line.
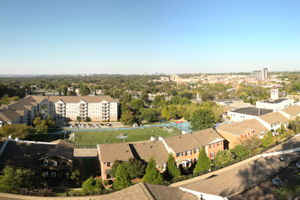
point(234, 179)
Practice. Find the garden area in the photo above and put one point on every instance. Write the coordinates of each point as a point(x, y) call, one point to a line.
point(90, 139)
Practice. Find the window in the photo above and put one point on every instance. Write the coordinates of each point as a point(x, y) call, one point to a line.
point(53, 174)
point(45, 162)
point(212, 155)
point(108, 164)
point(189, 153)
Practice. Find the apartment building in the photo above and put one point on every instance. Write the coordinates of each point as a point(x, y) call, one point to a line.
point(236, 132)
point(54, 159)
point(97, 108)
point(109, 153)
point(185, 148)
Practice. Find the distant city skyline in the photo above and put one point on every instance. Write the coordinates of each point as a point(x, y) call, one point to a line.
point(147, 37)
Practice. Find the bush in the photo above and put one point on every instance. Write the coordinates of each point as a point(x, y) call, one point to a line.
point(240, 152)
point(222, 158)
point(152, 174)
point(203, 163)
point(122, 177)
point(92, 186)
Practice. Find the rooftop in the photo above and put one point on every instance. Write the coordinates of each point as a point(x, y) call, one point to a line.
point(194, 140)
point(293, 110)
point(252, 111)
point(274, 101)
point(274, 117)
point(239, 128)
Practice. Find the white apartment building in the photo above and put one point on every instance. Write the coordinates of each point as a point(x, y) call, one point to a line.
point(97, 108)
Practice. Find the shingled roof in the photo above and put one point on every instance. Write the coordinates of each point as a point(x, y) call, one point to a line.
point(239, 128)
point(155, 149)
point(195, 140)
point(28, 154)
point(76, 99)
point(112, 152)
point(146, 191)
point(293, 110)
point(274, 117)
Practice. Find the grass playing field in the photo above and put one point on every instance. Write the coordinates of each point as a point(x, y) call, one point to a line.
point(91, 139)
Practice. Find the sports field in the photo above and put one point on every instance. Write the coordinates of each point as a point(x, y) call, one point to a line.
point(91, 139)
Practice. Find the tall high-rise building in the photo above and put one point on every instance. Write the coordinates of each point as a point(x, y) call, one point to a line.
point(264, 74)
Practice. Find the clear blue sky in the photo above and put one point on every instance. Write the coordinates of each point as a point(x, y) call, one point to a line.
point(148, 36)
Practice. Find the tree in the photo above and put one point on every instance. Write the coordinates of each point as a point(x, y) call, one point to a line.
point(114, 168)
point(252, 144)
point(75, 176)
point(240, 152)
point(172, 169)
point(13, 179)
point(43, 125)
point(152, 174)
point(151, 115)
point(84, 90)
point(135, 168)
point(128, 117)
point(203, 118)
point(203, 162)
point(16, 130)
point(159, 101)
point(122, 177)
point(78, 119)
point(92, 186)
point(10, 181)
point(222, 158)
point(267, 140)
point(136, 105)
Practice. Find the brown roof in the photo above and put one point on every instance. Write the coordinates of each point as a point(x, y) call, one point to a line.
point(293, 110)
point(274, 117)
point(112, 152)
point(76, 99)
point(239, 128)
point(146, 191)
point(195, 140)
point(155, 149)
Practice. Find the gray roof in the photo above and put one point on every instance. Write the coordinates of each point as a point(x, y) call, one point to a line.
point(274, 101)
point(252, 111)
point(28, 155)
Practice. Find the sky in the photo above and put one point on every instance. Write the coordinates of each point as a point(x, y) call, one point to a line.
point(148, 36)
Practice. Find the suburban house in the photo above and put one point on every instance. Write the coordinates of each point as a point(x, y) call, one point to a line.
point(97, 108)
point(291, 112)
point(108, 153)
point(54, 159)
point(236, 132)
point(185, 148)
point(241, 114)
point(273, 121)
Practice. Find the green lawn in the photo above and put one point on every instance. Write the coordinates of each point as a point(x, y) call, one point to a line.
point(91, 139)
